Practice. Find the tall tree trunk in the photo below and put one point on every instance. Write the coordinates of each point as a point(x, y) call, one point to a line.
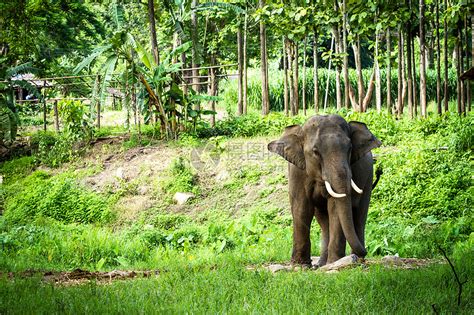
point(315, 71)
point(458, 73)
point(296, 97)
point(304, 77)
point(467, 82)
point(194, 51)
point(446, 67)
point(415, 93)
point(245, 78)
point(240, 104)
point(422, 60)
point(399, 75)
point(327, 79)
point(409, 70)
point(213, 86)
point(183, 73)
point(264, 65)
point(404, 79)
point(389, 73)
point(151, 22)
point(378, 87)
point(461, 66)
point(289, 65)
point(472, 53)
point(345, 58)
point(285, 78)
point(438, 62)
point(358, 64)
point(337, 39)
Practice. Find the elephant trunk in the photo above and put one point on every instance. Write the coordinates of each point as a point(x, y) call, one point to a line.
point(342, 182)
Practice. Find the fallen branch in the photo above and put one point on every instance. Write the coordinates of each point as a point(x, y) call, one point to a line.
point(460, 284)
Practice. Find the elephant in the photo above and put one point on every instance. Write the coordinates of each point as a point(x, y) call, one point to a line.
point(330, 174)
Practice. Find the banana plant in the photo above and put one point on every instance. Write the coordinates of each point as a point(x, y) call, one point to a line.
point(164, 82)
point(8, 110)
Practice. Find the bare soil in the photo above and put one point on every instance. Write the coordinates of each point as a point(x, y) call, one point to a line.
point(79, 276)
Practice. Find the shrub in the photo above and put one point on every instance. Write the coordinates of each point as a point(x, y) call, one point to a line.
point(59, 197)
point(52, 149)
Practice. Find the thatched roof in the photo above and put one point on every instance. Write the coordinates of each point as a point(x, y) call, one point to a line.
point(32, 79)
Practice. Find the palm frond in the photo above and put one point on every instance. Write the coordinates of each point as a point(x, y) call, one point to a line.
point(23, 68)
point(109, 67)
point(118, 14)
point(89, 59)
point(145, 57)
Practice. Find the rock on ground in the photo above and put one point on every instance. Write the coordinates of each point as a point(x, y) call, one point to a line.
point(181, 198)
point(341, 263)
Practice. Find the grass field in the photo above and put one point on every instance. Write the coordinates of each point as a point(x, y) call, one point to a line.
point(110, 207)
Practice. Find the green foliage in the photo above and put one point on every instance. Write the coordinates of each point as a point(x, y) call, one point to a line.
point(17, 169)
point(76, 119)
point(181, 178)
point(52, 149)
point(59, 197)
point(250, 125)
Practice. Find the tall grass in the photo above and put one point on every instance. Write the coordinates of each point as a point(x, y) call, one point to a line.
point(229, 88)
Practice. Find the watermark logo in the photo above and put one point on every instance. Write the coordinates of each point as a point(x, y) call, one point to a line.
point(208, 156)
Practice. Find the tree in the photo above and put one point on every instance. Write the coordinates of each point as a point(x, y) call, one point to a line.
point(264, 64)
point(151, 21)
point(422, 60)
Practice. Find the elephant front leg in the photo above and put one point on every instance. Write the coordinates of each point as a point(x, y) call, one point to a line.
point(323, 220)
point(302, 217)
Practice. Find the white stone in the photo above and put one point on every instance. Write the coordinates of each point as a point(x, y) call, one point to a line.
point(314, 260)
point(181, 198)
point(276, 268)
point(341, 263)
point(222, 175)
point(119, 173)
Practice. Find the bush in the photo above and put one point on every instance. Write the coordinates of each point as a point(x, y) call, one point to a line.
point(59, 197)
point(76, 119)
point(52, 149)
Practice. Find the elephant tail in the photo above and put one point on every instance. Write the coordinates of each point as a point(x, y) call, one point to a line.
point(378, 173)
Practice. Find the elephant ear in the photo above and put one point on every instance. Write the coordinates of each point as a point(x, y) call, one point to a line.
point(362, 140)
point(290, 146)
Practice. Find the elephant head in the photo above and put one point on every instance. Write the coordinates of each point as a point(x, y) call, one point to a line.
point(324, 148)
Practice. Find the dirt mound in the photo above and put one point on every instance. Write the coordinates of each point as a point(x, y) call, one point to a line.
point(79, 276)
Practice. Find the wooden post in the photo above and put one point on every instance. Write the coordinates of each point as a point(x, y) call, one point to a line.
point(56, 116)
point(98, 104)
point(44, 106)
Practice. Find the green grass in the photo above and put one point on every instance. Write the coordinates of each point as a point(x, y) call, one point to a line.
point(227, 287)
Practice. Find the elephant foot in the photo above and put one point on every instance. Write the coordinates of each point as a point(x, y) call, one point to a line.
point(303, 262)
point(321, 262)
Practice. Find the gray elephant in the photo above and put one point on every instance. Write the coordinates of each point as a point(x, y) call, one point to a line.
point(330, 177)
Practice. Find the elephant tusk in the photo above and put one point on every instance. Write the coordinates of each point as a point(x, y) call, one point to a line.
point(332, 192)
point(357, 189)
